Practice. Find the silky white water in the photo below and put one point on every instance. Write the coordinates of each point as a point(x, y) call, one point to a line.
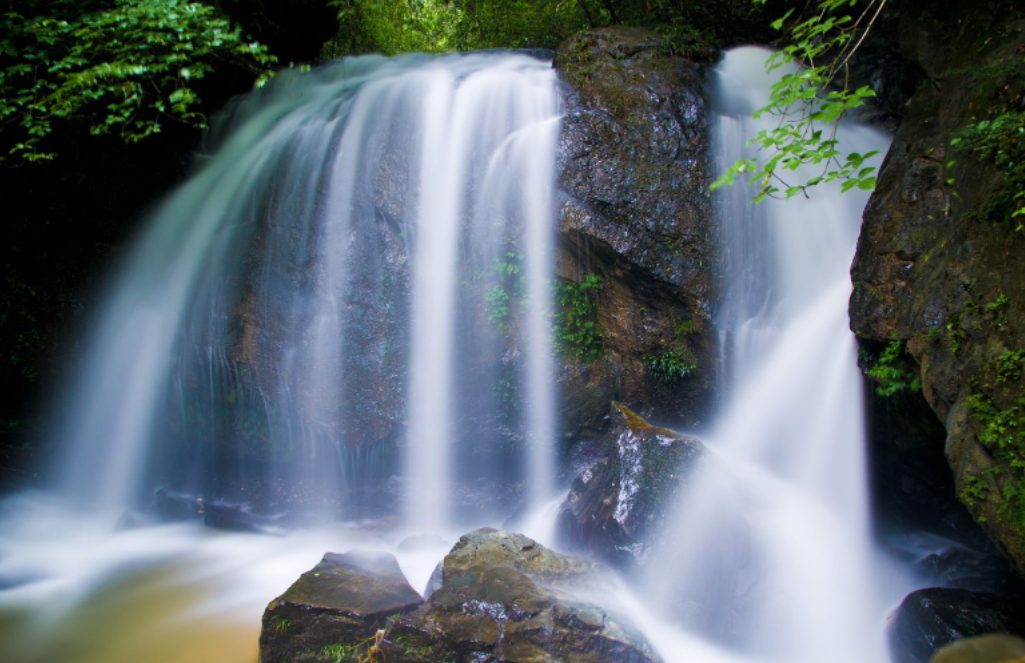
point(770, 554)
point(347, 224)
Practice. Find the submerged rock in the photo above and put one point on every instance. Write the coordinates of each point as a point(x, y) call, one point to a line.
point(932, 618)
point(616, 502)
point(341, 602)
point(242, 518)
point(505, 597)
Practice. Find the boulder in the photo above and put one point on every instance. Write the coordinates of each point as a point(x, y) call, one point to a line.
point(342, 602)
point(929, 619)
point(983, 649)
point(634, 168)
point(505, 597)
point(613, 504)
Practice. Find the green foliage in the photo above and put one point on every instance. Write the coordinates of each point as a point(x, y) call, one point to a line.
point(889, 377)
point(391, 27)
point(810, 100)
point(497, 301)
point(1003, 434)
point(998, 136)
point(119, 67)
point(576, 330)
point(522, 23)
point(280, 624)
point(670, 367)
point(509, 287)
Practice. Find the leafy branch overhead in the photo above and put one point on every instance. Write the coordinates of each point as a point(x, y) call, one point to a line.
point(119, 67)
point(810, 100)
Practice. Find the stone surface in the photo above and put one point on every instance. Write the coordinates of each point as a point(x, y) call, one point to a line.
point(936, 266)
point(615, 503)
point(634, 171)
point(983, 649)
point(342, 601)
point(505, 597)
point(932, 618)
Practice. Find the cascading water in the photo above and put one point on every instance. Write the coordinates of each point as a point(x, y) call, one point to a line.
point(347, 227)
point(356, 286)
point(770, 555)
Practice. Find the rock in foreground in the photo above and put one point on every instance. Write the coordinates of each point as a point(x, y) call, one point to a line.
point(932, 618)
point(502, 598)
point(341, 602)
point(983, 649)
point(506, 598)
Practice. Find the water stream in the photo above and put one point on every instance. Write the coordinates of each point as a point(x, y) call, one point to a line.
point(319, 323)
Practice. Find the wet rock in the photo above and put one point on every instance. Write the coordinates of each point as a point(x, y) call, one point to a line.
point(242, 518)
point(939, 265)
point(983, 649)
point(172, 505)
point(634, 169)
point(932, 618)
point(341, 602)
point(616, 502)
point(434, 582)
point(505, 597)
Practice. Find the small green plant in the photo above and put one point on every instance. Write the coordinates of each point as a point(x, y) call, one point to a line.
point(576, 330)
point(974, 490)
point(890, 378)
point(499, 299)
point(669, 367)
point(1010, 365)
point(340, 652)
point(280, 624)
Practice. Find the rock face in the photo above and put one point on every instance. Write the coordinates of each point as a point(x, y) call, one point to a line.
point(932, 618)
point(940, 266)
point(342, 601)
point(634, 172)
point(613, 504)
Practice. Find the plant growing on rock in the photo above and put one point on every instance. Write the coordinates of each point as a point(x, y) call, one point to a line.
point(670, 367)
point(576, 330)
point(890, 377)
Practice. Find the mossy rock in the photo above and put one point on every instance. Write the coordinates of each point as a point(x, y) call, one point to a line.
point(335, 608)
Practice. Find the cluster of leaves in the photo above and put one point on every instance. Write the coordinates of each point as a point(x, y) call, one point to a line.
point(576, 330)
point(890, 377)
point(809, 101)
point(116, 66)
point(1003, 435)
point(509, 286)
point(670, 367)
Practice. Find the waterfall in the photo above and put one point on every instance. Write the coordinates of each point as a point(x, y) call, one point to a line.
point(770, 552)
point(305, 322)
